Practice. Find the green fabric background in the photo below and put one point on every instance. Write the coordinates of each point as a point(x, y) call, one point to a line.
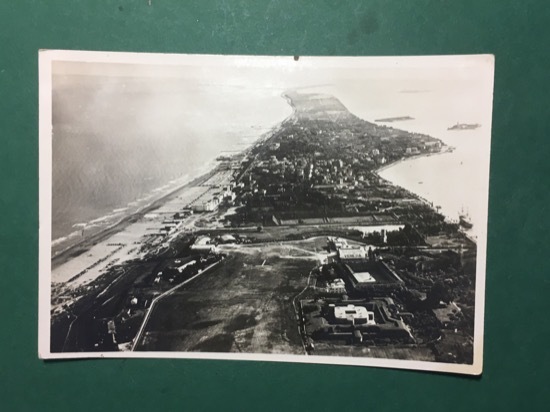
point(516, 341)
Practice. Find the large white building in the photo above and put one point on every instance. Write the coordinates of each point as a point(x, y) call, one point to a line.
point(206, 206)
point(336, 286)
point(203, 244)
point(354, 314)
point(350, 252)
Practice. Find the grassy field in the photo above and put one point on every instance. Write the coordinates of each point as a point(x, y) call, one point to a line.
point(244, 305)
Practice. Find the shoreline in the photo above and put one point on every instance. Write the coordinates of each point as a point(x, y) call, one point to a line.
point(65, 255)
point(147, 200)
point(68, 241)
point(447, 149)
point(72, 250)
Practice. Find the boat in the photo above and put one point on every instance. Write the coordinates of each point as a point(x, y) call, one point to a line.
point(464, 220)
point(464, 126)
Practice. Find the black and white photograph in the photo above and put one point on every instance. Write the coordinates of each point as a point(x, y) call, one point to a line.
point(275, 208)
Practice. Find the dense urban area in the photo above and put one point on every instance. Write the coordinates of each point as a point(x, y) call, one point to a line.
point(294, 246)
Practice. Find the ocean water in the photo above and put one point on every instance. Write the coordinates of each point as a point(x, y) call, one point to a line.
point(120, 142)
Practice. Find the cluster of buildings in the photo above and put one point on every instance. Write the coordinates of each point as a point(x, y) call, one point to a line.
point(359, 269)
point(336, 286)
point(353, 303)
point(346, 251)
point(322, 152)
point(210, 201)
point(204, 244)
point(376, 321)
point(330, 162)
point(319, 170)
point(207, 244)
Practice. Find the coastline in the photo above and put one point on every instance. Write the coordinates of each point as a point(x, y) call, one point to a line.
point(73, 250)
point(65, 254)
point(446, 149)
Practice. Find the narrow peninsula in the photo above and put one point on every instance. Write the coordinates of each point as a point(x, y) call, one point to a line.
point(295, 246)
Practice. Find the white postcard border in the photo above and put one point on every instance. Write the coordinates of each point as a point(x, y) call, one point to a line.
point(47, 57)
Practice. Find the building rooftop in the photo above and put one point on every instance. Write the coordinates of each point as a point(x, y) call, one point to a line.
point(203, 240)
point(360, 271)
point(356, 252)
point(228, 238)
point(363, 277)
point(352, 313)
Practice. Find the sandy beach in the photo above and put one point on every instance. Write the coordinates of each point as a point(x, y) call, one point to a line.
point(83, 260)
point(70, 247)
point(123, 241)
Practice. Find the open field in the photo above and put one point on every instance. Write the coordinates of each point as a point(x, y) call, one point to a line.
point(244, 305)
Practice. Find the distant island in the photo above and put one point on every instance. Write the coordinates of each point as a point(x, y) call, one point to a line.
point(394, 119)
point(464, 126)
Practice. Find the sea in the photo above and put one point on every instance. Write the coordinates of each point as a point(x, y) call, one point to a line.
point(120, 143)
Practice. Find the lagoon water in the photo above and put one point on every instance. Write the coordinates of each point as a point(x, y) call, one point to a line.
point(456, 181)
point(451, 180)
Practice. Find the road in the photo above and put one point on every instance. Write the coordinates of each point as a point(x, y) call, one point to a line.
point(163, 295)
point(301, 327)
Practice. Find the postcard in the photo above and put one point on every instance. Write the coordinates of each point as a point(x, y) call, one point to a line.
point(290, 208)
